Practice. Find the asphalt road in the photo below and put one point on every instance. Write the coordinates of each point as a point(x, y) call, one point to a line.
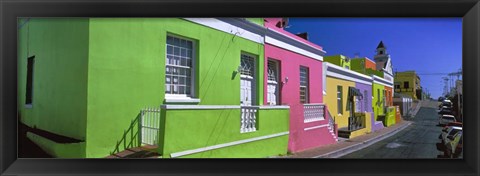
point(416, 141)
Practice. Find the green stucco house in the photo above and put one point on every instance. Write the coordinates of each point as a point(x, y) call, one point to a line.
point(189, 87)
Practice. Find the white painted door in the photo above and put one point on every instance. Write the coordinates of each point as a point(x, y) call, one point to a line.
point(246, 93)
point(247, 80)
point(272, 92)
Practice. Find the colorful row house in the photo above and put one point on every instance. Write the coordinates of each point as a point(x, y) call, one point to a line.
point(191, 87)
point(359, 93)
point(294, 78)
point(188, 87)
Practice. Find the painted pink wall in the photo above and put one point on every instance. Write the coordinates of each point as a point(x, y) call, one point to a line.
point(271, 22)
point(290, 63)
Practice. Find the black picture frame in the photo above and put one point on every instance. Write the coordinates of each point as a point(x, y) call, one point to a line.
point(10, 10)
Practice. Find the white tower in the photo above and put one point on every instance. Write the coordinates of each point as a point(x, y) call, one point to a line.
point(382, 58)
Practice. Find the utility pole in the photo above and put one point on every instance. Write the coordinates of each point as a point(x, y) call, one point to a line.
point(445, 87)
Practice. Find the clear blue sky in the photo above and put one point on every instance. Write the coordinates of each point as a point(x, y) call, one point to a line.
point(426, 45)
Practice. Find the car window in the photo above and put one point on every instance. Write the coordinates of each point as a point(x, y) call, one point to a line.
point(453, 132)
point(448, 118)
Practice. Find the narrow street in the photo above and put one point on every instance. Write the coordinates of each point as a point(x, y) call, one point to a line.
point(417, 141)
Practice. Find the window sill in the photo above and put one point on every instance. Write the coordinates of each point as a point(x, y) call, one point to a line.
point(181, 100)
point(28, 106)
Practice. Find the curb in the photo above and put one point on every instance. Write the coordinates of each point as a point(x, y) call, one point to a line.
point(362, 145)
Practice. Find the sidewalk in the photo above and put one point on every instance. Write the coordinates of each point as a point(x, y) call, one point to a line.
point(345, 147)
point(351, 145)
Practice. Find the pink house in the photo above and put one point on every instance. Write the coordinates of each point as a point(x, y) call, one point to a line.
point(293, 76)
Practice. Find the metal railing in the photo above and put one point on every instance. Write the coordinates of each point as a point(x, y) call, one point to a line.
point(357, 121)
point(331, 122)
point(150, 125)
point(403, 90)
point(248, 119)
point(313, 112)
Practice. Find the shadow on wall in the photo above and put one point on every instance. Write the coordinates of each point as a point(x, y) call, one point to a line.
point(218, 130)
point(130, 137)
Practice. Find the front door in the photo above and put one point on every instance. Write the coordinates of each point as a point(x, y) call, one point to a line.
point(247, 80)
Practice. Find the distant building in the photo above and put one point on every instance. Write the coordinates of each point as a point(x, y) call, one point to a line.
point(366, 66)
point(340, 60)
point(408, 82)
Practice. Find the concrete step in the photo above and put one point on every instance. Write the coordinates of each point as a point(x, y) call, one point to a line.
point(137, 152)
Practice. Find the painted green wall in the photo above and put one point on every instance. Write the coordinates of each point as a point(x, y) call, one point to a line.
point(390, 117)
point(127, 72)
point(377, 102)
point(60, 47)
point(193, 129)
point(258, 21)
point(337, 60)
point(59, 150)
point(357, 65)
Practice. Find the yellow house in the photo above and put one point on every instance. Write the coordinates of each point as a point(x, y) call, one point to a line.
point(340, 83)
point(408, 82)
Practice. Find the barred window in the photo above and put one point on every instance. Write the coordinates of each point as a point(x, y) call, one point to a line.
point(272, 71)
point(247, 65)
point(179, 66)
point(304, 85)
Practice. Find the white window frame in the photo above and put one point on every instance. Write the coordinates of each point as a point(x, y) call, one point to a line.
point(307, 87)
point(254, 77)
point(183, 98)
point(340, 108)
point(277, 76)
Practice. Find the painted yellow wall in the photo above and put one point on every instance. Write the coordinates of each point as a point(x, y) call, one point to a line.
point(366, 130)
point(411, 77)
point(331, 99)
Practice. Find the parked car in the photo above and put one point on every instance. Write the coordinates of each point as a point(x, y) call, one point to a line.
point(446, 103)
point(440, 99)
point(445, 119)
point(450, 131)
point(445, 110)
point(455, 145)
point(457, 124)
point(451, 124)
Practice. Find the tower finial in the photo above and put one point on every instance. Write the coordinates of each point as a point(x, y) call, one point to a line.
point(381, 45)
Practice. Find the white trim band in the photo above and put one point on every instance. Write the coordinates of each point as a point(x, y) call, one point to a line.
point(347, 70)
point(228, 28)
point(381, 79)
point(292, 48)
point(213, 147)
point(313, 120)
point(377, 82)
point(315, 127)
point(220, 107)
point(182, 100)
point(200, 106)
point(273, 107)
point(348, 78)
